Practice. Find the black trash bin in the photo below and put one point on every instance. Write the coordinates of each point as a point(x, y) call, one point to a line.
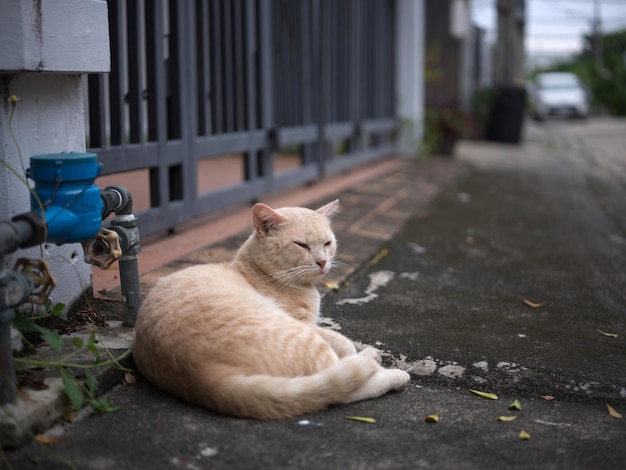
point(507, 115)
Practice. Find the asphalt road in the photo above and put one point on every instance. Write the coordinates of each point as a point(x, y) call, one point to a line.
point(511, 281)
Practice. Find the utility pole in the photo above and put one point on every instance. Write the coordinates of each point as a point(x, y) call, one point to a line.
point(597, 41)
point(510, 54)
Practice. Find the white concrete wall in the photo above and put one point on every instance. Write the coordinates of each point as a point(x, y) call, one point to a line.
point(45, 47)
point(410, 73)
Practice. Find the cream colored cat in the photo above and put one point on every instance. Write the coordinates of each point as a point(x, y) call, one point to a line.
point(241, 338)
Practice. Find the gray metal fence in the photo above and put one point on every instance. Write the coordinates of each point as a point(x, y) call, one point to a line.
point(215, 102)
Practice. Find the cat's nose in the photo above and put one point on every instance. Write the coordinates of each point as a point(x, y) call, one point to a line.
point(321, 263)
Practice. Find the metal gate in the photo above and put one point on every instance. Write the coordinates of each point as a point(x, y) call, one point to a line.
point(215, 102)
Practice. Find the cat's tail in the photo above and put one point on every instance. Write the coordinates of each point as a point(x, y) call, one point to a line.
point(352, 378)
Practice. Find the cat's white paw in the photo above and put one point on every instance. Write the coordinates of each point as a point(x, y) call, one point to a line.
point(398, 378)
point(373, 353)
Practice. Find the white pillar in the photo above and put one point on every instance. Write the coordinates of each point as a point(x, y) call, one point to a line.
point(45, 47)
point(410, 73)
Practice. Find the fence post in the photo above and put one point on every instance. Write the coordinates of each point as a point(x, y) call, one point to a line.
point(410, 73)
point(46, 48)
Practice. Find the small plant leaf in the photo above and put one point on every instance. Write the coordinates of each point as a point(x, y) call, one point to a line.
point(523, 435)
point(24, 324)
point(103, 406)
point(507, 419)
point(78, 342)
point(490, 396)
point(92, 383)
point(532, 304)
point(362, 419)
point(51, 337)
point(610, 335)
point(72, 390)
point(516, 405)
point(613, 412)
point(57, 310)
point(433, 418)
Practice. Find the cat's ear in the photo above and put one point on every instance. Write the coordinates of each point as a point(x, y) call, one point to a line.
point(329, 209)
point(265, 218)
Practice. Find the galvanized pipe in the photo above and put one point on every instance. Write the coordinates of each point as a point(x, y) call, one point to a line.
point(23, 231)
point(118, 199)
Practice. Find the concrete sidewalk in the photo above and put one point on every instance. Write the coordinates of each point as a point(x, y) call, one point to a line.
point(502, 270)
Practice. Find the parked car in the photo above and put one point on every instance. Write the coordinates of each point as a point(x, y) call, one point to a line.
point(558, 94)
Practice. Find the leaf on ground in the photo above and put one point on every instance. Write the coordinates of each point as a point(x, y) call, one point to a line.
point(533, 304)
point(491, 396)
point(362, 419)
point(380, 255)
point(507, 419)
point(129, 378)
point(433, 418)
point(69, 416)
point(46, 440)
point(523, 435)
point(331, 285)
point(516, 405)
point(613, 412)
point(547, 397)
point(610, 335)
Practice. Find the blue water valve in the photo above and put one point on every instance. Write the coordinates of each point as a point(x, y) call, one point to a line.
point(64, 183)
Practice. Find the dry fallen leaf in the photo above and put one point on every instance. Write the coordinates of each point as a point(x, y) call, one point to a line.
point(506, 419)
point(129, 378)
point(516, 405)
point(533, 304)
point(69, 416)
point(380, 255)
point(613, 412)
point(523, 435)
point(362, 419)
point(47, 440)
point(491, 396)
point(433, 418)
point(331, 285)
point(610, 335)
point(547, 397)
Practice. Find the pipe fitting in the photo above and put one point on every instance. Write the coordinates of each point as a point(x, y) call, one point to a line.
point(119, 200)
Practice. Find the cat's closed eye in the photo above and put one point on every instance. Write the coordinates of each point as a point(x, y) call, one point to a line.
point(302, 245)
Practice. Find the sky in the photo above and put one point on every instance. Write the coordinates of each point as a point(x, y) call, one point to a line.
point(555, 27)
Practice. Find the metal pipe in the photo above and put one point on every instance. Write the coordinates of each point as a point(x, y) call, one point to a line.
point(23, 231)
point(119, 200)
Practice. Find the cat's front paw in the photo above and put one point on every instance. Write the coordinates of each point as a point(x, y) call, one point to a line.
point(372, 352)
point(398, 378)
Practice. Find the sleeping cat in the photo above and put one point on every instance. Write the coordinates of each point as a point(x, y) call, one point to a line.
point(241, 338)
